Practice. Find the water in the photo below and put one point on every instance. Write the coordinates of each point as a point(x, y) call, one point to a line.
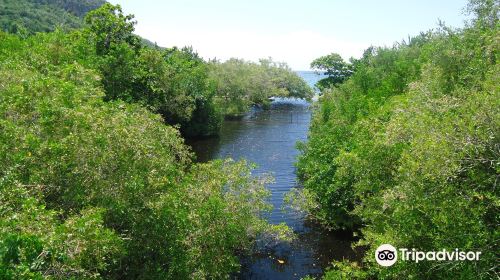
point(311, 77)
point(268, 138)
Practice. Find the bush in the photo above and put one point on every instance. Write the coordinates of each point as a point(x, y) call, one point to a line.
point(406, 151)
point(240, 84)
point(96, 189)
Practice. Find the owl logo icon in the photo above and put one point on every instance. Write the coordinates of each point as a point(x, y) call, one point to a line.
point(386, 255)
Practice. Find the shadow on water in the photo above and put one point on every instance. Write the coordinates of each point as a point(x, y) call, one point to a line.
point(268, 138)
point(312, 252)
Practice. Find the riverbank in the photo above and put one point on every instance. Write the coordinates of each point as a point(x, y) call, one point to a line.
point(268, 138)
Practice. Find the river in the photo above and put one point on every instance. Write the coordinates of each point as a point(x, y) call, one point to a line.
point(268, 138)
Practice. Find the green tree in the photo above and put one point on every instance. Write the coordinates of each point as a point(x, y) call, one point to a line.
point(110, 26)
point(334, 66)
point(39, 16)
point(240, 84)
point(104, 189)
point(406, 151)
point(172, 82)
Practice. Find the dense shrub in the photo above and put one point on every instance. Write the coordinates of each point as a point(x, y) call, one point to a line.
point(91, 188)
point(407, 150)
point(176, 83)
point(240, 84)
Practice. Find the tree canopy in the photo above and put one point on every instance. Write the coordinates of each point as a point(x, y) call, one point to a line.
point(334, 66)
point(30, 16)
point(95, 182)
point(406, 152)
point(240, 84)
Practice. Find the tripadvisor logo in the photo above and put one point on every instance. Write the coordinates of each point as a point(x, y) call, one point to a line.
point(387, 255)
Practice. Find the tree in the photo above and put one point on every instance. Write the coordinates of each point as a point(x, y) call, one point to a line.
point(172, 82)
point(110, 26)
point(91, 189)
point(407, 149)
point(335, 68)
point(241, 84)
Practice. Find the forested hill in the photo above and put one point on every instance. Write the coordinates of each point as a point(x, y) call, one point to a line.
point(44, 15)
point(77, 7)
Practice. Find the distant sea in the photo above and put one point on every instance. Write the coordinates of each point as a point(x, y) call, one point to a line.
point(311, 77)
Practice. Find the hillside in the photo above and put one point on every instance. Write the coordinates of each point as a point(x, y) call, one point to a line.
point(43, 15)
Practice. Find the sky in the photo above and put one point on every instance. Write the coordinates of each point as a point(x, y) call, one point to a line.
point(291, 31)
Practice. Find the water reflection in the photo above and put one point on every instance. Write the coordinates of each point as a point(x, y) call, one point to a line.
point(268, 138)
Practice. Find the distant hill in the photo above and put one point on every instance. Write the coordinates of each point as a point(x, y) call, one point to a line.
point(44, 15)
point(77, 7)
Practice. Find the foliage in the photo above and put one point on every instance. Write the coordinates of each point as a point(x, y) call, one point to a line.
point(176, 83)
point(172, 82)
point(93, 187)
point(30, 16)
point(200, 226)
point(241, 84)
point(77, 7)
point(110, 26)
point(407, 149)
point(337, 70)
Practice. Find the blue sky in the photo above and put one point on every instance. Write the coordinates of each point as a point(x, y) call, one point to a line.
point(292, 31)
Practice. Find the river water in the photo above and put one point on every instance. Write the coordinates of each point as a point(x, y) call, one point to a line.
point(268, 138)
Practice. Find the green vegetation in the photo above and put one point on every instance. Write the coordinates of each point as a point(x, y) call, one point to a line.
point(30, 16)
point(240, 84)
point(337, 70)
point(96, 182)
point(407, 151)
point(93, 183)
point(77, 7)
point(171, 82)
point(175, 83)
